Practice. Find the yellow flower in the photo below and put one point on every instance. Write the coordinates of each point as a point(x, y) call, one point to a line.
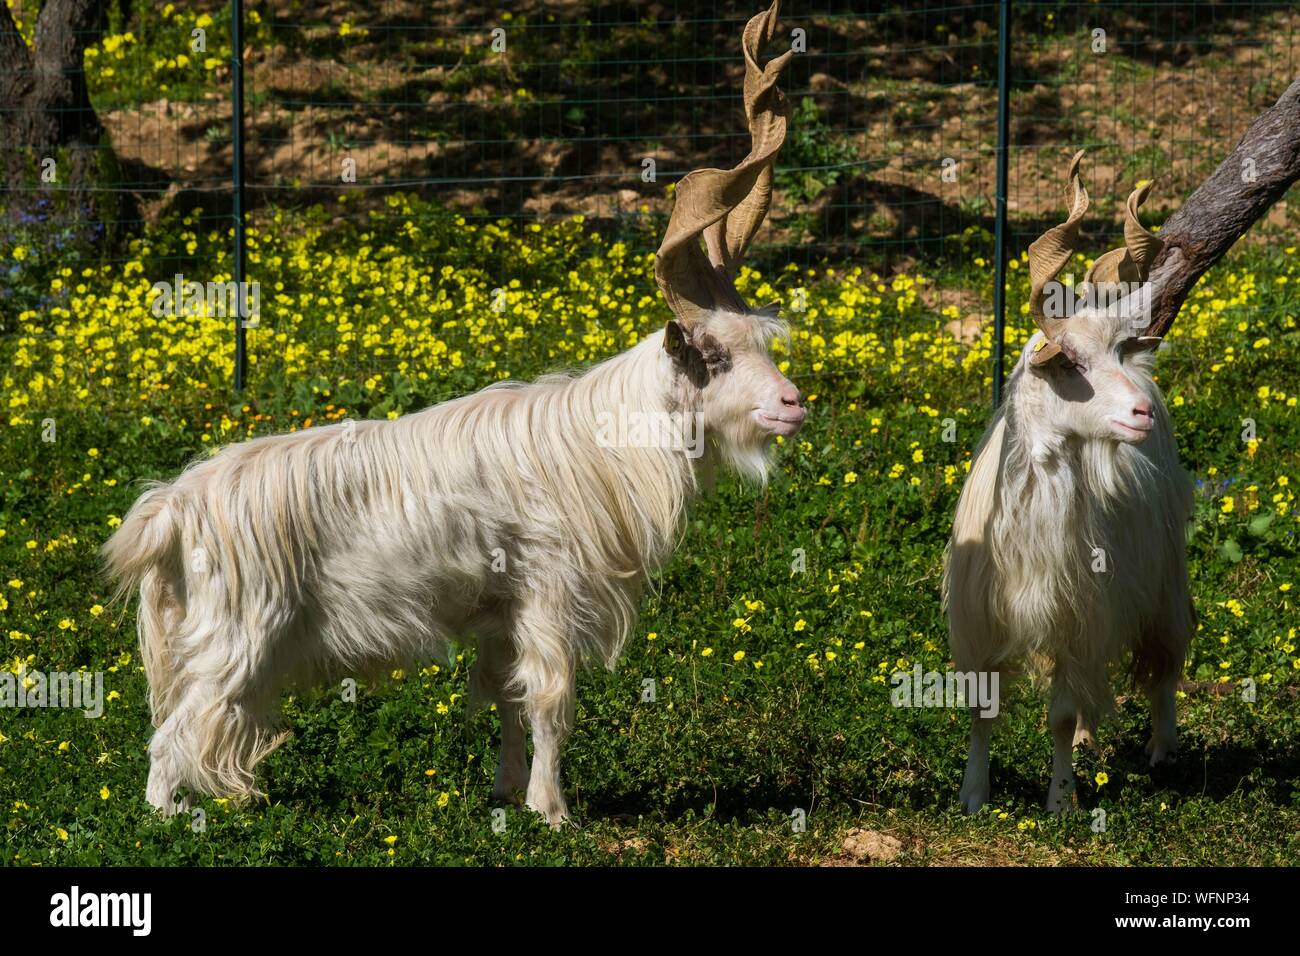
point(105, 793)
point(390, 840)
point(707, 652)
point(96, 610)
point(800, 624)
point(738, 656)
point(444, 798)
point(1102, 778)
point(850, 477)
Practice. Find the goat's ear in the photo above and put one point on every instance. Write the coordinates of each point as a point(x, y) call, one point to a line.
point(1044, 352)
point(1141, 343)
point(675, 340)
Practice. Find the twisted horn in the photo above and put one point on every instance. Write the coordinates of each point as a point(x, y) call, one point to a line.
point(726, 207)
point(1048, 254)
point(1131, 264)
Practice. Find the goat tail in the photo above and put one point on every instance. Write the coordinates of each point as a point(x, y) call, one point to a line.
point(144, 555)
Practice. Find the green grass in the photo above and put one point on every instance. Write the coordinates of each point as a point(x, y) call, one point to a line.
point(715, 768)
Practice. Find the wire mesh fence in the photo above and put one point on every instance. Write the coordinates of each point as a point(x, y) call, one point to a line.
point(545, 111)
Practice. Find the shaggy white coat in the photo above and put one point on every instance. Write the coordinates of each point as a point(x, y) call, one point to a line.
point(499, 518)
point(1068, 549)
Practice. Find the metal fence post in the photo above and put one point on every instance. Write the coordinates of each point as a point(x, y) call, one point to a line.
point(1000, 210)
point(237, 149)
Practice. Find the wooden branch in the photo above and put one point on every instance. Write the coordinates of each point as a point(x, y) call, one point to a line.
point(1254, 176)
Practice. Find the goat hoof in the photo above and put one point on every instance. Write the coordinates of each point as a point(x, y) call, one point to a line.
point(1061, 799)
point(555, 814)
point(1084, 738)
point(511, 785)
point(507, 795)
point(1161, 751)
point(973, 801)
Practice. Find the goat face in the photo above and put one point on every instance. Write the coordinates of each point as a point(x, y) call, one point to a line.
point(1099, 386)
point(744, 399)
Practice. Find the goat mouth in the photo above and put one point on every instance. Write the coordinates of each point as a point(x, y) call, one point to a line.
point(780, 424)
point(1129, 433)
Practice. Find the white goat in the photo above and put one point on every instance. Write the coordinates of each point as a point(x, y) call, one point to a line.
point(1068, 547)
point(510, 518)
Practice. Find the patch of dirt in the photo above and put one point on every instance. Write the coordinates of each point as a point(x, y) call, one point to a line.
point(908, 846)
point(560, 123)
point(871, 846)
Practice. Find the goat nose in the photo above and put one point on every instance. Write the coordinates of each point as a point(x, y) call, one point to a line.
point(790, 396)
point(1142, 407)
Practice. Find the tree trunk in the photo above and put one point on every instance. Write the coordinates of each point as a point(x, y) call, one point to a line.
point(47, 109)
point(1254, 176)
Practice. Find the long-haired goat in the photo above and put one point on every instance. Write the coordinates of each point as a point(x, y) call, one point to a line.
point(515, 518)
point(1068, 549)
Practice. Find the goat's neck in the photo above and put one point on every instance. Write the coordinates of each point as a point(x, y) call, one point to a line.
point(1047, 473)
point(641, 419)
